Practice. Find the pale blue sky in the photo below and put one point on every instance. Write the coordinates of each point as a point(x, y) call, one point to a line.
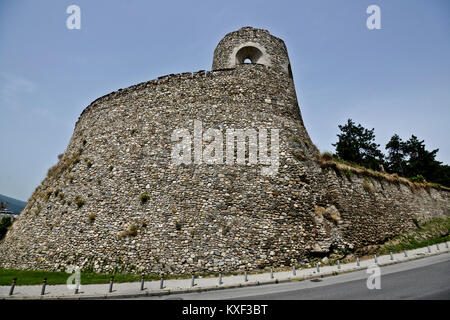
point(396, 80)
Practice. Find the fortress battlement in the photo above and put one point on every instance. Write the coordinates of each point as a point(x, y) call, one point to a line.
point(170, 79)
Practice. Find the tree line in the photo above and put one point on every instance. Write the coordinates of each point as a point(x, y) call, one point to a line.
point(409, 158)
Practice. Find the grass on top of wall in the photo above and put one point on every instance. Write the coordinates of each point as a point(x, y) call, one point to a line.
point(347, 168)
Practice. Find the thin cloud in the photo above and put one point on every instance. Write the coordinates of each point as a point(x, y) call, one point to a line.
point(12, 89)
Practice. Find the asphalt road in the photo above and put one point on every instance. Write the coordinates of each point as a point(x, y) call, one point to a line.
point(427, 278)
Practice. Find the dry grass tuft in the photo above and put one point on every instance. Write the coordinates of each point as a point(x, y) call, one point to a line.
point(131, 231)
point(335, 218)
point(319, 210)
point(79, 201)
point(65, 163)
point(367, 185)
point(346, 168)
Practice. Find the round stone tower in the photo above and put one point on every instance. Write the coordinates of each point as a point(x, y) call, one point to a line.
point(116, 200)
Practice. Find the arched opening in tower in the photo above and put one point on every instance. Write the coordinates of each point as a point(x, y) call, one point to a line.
point(248, 54)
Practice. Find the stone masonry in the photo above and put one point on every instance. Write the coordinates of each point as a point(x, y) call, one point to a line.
point(116, 202)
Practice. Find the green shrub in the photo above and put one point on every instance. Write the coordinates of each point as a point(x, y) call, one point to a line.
point(348, 174)
point(419, 178)
point(79, 202)
point(5, 223)
point(144, 198)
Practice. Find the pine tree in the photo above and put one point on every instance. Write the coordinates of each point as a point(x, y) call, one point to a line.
point(396, 157)
point(421, 162)
point(357, 144)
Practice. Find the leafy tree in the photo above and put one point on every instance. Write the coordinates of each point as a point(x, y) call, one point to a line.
point(5, 222)
point(357, 144)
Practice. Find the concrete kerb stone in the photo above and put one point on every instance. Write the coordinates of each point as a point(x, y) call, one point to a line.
point(311, 276)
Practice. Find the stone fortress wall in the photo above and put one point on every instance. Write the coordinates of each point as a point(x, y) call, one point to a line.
point(202, 217)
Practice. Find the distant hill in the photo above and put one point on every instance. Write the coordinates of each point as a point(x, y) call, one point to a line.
point(14, 205)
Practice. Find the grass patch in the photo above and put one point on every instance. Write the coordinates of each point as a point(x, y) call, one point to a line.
point(35, 277)
point(412, 245)
point(429, 233)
